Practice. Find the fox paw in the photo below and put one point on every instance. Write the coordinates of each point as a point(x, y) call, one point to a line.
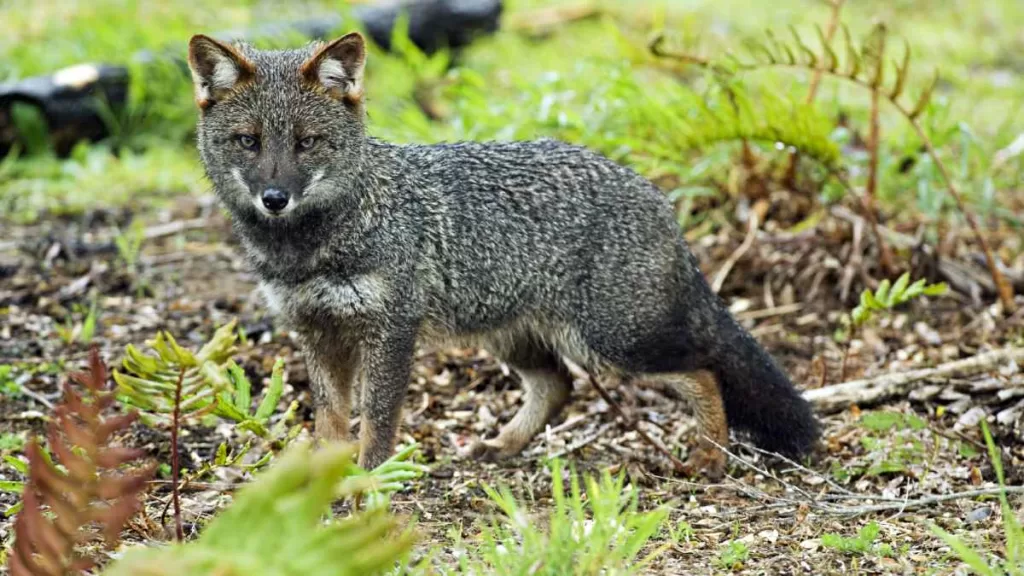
point(709, 463)
point(490, 451)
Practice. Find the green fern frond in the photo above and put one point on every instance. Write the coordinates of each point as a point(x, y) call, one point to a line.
point(681, 119)
point(211, 382)
point(274, 527)
point(865, 64)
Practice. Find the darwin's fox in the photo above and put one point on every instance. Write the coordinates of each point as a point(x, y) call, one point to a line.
point(536, 251)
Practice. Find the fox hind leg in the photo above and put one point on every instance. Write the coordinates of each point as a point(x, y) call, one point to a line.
point(548, 386)
point(700, 388)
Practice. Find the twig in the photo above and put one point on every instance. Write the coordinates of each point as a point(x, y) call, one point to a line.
point(870, 191)
point(770, 312)
point(588, 439)
point(676, 462)
point(838, 397)
point(37, 397)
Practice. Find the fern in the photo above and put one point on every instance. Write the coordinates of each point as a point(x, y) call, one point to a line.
point(684, 120)
point(865, 64)
point(94, 492)
point(274, 527)
point(212, 384)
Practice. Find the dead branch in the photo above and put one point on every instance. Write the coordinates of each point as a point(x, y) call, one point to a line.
point(838, 397)
point(544, 20)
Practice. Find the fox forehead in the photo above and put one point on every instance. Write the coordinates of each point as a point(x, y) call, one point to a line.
point(277, 99)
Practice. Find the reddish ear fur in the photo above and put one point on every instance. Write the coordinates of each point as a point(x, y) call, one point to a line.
point(338, 67)
point(217, 68)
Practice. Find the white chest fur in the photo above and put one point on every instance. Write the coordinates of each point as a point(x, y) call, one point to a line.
point(320, 297)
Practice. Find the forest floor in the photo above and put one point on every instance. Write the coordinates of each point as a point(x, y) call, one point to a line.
point(882, 464)
point(123, 240)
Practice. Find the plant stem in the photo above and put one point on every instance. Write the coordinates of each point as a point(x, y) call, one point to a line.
point(830, 32)
point(1003, 287)
point(874, 142)
point(179, 531)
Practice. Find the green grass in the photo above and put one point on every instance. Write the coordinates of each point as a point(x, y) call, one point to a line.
point(862, 544)
point(592, 83)
point(594, 527)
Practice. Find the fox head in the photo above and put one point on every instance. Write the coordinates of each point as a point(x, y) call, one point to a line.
point(280, 132)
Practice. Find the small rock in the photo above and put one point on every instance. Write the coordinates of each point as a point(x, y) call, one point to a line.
point(978, 514)
point(970, 418)
point(812, 544)
point(769, 535)
point(927, 333)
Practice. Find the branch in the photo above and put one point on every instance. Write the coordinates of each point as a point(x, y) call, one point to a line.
point(838, 397)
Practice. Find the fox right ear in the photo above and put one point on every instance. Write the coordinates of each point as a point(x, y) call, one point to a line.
point(338, 67)
point(217, 68)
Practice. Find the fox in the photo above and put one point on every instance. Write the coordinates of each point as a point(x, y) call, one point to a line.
point(540, 252)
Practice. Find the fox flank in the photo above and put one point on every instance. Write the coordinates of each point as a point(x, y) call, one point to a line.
point(536, 251)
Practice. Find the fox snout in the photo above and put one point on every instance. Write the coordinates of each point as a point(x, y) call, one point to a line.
point(275, 200)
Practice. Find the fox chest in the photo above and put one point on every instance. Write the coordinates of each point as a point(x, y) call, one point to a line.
point(322, 300)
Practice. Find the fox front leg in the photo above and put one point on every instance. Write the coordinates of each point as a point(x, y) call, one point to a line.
point(387, 361)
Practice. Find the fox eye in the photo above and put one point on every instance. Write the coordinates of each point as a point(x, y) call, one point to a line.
point(307, 143)
point(248, 142)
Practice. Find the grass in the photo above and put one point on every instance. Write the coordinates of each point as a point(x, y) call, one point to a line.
point(594, 527)
point(514, 86)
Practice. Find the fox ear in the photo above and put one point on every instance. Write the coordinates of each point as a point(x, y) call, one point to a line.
point(216, 68)
point(338, 67)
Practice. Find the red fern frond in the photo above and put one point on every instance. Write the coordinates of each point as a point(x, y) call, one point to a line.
point(95, 494)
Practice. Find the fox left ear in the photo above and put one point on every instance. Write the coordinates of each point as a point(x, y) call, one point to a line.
point(338, 67)
point(217, 68)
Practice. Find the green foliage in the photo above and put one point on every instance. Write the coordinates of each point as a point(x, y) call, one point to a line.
point(732, 555)
point(73, 331)
point(888, 296)
point(211, 383)
point(12, 442)
point(866, 64)
point(129, 244)
point(884, 421)
point(20, 467)
point(594, 531)
point(668, 121)
point(8, 386)
point(1012, 561)
point(863, 544)
point(274, 527)
point(895, 444)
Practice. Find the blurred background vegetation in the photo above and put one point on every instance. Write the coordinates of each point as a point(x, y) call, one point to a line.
point(591, 81)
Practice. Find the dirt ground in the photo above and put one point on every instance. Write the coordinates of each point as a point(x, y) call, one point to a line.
point(788, 289)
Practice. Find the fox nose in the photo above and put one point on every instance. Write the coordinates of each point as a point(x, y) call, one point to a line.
point(275, 200)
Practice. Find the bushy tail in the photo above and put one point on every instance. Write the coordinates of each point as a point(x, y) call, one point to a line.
point(759, 397)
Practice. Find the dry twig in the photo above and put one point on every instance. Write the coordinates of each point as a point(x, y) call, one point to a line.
point(838, 397)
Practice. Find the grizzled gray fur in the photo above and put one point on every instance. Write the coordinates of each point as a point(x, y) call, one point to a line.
point(536, 251)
